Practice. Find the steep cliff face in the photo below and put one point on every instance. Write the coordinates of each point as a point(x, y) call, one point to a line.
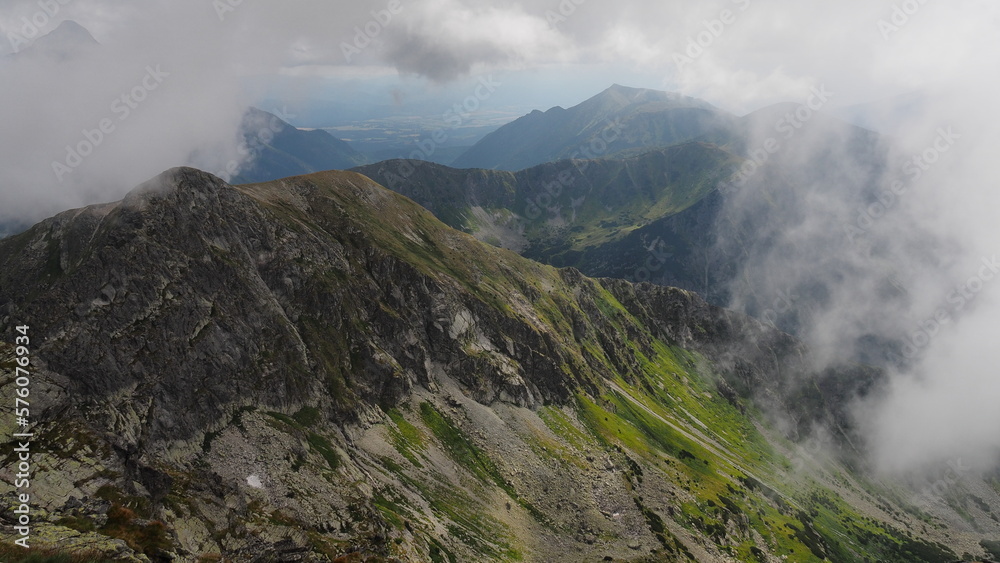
point(317, 367)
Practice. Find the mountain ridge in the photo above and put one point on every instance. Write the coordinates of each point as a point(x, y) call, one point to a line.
point(316, 367)
point(594, 128)
point(590, 214)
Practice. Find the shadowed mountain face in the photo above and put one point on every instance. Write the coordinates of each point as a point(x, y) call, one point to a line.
point(615, 120)
point(316, 368)
point(278, 150)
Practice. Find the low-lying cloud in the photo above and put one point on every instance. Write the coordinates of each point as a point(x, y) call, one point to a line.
point(886, 250)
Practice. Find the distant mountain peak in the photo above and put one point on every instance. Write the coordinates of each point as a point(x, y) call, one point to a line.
point(632, 95)
point(640, 117)
point(626, 89)
point(72, 29)
point(63, 42)
point(278, 149)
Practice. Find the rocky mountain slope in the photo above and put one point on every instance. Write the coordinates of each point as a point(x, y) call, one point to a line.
point(317, 369)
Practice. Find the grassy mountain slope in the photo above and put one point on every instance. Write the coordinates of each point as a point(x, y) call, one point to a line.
point(317, 368)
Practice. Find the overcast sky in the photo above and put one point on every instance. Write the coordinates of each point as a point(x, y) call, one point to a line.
point(170, 81)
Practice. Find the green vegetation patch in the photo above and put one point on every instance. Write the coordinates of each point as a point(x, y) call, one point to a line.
point(991, 547)
point(677, 386)
point(464, 452)
point(472, 523)
point(439, 553)
point(406, 438)
point(321, 445)
point(286, 419)
point(560, 424)
point(470, 457)
point(307, 416)
point(78, 523)
point(398, 515)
